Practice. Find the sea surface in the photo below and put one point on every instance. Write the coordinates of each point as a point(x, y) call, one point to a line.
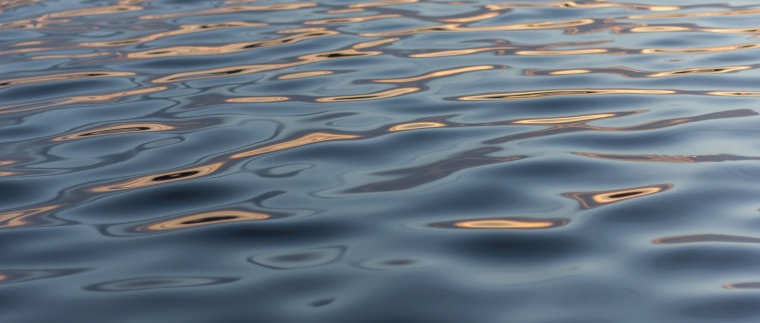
point(396, 161)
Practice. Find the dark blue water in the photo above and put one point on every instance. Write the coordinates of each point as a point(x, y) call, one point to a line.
point(398, 161)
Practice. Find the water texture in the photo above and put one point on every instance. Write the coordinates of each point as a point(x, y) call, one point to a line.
point(396, 161)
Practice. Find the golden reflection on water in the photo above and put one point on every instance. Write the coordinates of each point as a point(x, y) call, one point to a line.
point(570, 119)
point(370, 96)
point(5, 163)
point(668, 158)
point(231, 9)
point(728, 93)
point(437, 74)
point(484, 16)
point(698, 14)
point(699, 50)
point(374, 43)
point(503, 224)
point(416, 125)
point(160, 178)
point(61, 77)
point(590, 200)
point(578, 5)
point(698, 238)
point(584, 51)
point(339, 11)
point(28, 43)
point(183, 30)
point(658, 29)
point(702, 70)
point(554, 93)
point(117, 129)
point(302, 141)
point(303, 75)
point(662, 28)
point(106, 10)
point(258, 99)
point(204, 170)
point(249, 69)
point(347, 20)
point(14, 3)
point(380, 3)
point(77, 99)
point(457, 28)
point(201, 219)
point(55, 17)
point(24, 217)
point(227, 49)
point(69, 56)
point(458, 52)
point(633, 73)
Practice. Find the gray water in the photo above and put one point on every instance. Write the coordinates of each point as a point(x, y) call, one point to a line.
point(399, 161)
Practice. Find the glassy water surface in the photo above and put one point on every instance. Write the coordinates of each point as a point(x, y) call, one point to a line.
point(391, 161)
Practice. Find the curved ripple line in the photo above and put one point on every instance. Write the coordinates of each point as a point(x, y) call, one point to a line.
point(555, 93)
point(700, 238)
point(183, 30)
point(202, 219)
point(116, 129)
point(668, 158)
point(232, 9)
point(146, 283)
point(61, 77)
point(456, 28)
point(589, 200)
point(302, 141)
point(185, 51)
point(370, 96)
point(634, 73)
point(249, 69)
point(109, 97)
point(438, 74)
point(160, 178)
point(507, 223)
point(27, 217)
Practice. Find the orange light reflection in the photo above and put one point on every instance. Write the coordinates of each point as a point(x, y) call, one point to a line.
point(305, 140)
point(205, 218)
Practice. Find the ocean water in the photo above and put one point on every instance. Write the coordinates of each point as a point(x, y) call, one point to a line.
point(396, 161)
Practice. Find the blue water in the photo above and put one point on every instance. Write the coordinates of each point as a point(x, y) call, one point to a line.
point(398, 161)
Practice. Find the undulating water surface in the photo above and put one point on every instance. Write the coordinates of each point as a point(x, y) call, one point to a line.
point(397, 161)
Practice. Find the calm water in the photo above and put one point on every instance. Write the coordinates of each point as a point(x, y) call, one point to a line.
point(398, 161)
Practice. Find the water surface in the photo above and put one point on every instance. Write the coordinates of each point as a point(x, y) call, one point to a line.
point(392, 161)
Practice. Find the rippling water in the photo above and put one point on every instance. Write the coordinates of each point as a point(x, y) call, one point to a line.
point(393, 161)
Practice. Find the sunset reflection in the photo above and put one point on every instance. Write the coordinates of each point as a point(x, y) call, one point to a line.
point(25, 217)
point(503, 224)
point(416, 125)
point(61, 77)
point(160, 178)
point(556, 93)
point(302, 141)
point(370, 96)
point(437, 74)
point(201, 219)
point(590, 200)
point(118, 129)
point(99, 98)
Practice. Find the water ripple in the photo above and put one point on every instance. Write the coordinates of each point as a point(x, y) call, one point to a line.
point(379, 161)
